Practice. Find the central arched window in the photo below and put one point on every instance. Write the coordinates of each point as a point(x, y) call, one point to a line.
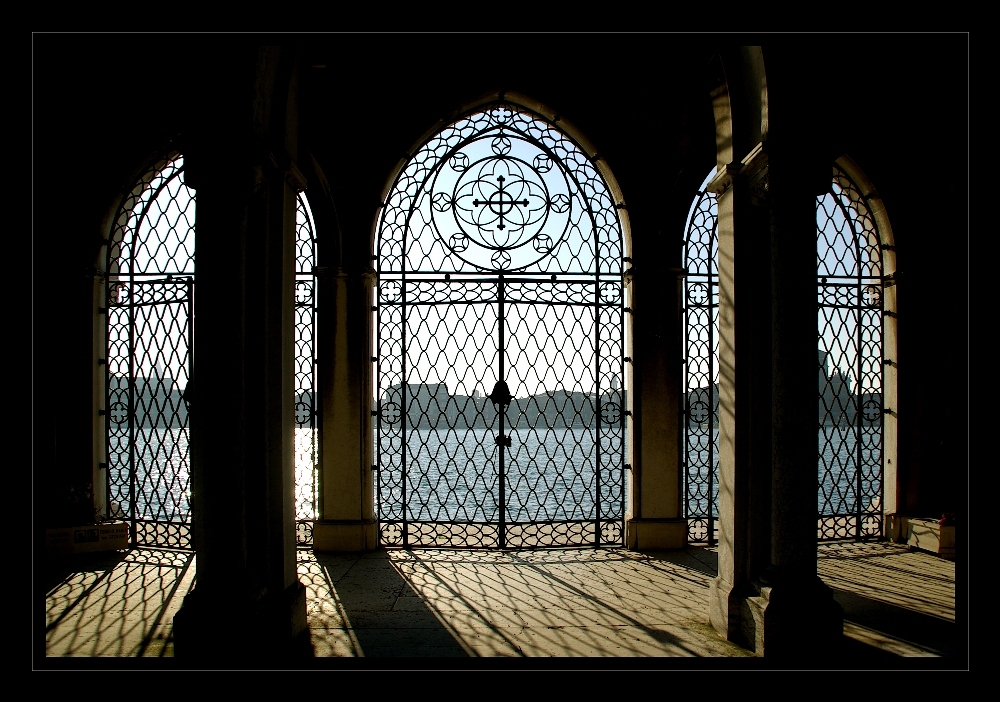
point(500, 337)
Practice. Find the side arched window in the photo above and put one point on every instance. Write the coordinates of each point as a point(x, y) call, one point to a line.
point(851, 286)
point(306, 401)
point(148, 294)
point(701, 371)
point(850, 357)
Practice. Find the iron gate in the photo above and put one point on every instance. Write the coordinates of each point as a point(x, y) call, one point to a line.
point(500, 404)
point(149, 289)
point(850, 283)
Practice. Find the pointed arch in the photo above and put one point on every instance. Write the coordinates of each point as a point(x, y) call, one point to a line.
point(500, 248)
point(148, 266)
point(856, 300)
point(857, 349)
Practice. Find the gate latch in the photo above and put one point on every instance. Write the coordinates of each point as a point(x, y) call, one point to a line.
point(501, 395)
point(505, 440)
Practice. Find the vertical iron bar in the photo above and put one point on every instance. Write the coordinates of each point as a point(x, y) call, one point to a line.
point(624, 408)
point(858, 419)
point(502, 412)
point(190, 370)
point(685, 403)
point(597, 398)
point(131, 398)
point(403, 410)
point(377, 382)
point(107, 384)
point(882, 397)
point(711, 407)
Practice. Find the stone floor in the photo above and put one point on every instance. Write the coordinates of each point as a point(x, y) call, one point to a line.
point(898, 604)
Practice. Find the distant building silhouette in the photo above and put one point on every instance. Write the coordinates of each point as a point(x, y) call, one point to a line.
point(431, 406)
point(156, 401)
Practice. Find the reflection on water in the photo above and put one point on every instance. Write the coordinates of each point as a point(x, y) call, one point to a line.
point(163, 482)
point(551, 474)
point(840, 452)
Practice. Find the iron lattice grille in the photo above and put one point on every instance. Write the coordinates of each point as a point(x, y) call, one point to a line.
point(500, 342)
point(850, 361)
point(701, 351)
point(150, 284)
point(850, 332)
point(306, 426)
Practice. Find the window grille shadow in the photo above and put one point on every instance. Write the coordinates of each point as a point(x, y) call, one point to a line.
point(122, 609)
point(927, 632)
point(362, 606)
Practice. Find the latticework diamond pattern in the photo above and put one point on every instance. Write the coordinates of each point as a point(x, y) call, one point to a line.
point(500, 192)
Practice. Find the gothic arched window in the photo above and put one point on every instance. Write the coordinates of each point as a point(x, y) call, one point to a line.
point(851, 284)
point(149, 274)
point(306, 410)
point(850, 362)
point(501, 405)
point(147, 304)
point(701, 371)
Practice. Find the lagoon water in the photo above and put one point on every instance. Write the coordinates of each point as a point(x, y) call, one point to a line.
point(455, 475)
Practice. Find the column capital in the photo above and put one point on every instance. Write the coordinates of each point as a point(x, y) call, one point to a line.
point(751, 169)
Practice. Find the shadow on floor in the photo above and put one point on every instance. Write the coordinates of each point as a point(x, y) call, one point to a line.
point(385, 616)
point(934, 635)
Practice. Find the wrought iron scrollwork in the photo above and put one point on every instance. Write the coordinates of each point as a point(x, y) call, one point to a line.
point(850, 320)
point(149, 278)
point(849, 300)
point(500, 253)
point(700, 402)
point(306, 405)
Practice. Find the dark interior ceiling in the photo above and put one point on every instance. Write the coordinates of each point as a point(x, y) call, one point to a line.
point(641, 99)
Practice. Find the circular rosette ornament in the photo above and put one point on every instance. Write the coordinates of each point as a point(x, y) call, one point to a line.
point(390, 291)
point(390, 413)
point(611, 413)
point(697, 293)
point(699, 412)
point(871, 410)
point(303, 412)
point(611, 292)
point(499, 201)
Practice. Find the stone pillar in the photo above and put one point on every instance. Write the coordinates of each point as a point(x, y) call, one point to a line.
point(799, 614)
point(247, 601)
point(347, 506)
point(654, 518)
point(744, 396)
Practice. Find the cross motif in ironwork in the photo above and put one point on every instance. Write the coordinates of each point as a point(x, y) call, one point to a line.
point(503, 204)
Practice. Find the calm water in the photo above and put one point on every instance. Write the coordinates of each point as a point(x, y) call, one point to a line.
point(455, 475)
point(841, 449)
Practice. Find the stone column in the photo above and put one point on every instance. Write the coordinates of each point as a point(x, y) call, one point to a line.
point(799, 613)
point(347, 508)
point(247, 601)
point(241, 395)
point(655, 517)
point(744, 395)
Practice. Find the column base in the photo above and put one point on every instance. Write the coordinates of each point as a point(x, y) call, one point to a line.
point(895, 527)
point(219, 626)
point(655, 534)
point(790, 620)
point(801, 620)
point(345, 535)
point(733, 614)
